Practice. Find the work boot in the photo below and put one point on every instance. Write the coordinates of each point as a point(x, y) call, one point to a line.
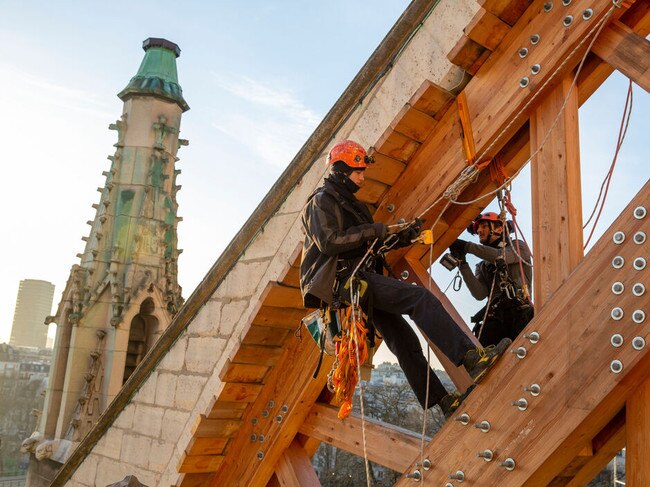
point(452, 401)
point(479, 360)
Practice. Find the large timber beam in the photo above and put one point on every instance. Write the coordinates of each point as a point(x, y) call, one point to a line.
point(294, 468)
point(571, 363)
point(556, 190)
point(637, 464)
point(387, 445)
point(623, 49)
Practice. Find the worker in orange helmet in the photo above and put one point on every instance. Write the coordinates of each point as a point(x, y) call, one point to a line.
point(503, 276)
point(338, 232)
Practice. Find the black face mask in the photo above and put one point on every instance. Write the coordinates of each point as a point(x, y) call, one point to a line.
point(342, 178)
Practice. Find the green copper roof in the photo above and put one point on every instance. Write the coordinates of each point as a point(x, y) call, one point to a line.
point(157, 74)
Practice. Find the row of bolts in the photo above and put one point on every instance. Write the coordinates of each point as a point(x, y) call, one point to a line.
point(265, 413)
point(587, 14)
point(638, 343)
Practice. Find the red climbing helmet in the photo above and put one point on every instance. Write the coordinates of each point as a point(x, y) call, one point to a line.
point(351, 154)
point(483, 217)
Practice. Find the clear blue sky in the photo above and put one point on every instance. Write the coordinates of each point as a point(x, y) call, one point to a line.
point(258, 77)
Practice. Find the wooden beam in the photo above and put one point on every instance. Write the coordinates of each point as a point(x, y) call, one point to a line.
point(289, 382)
point(199, 463)
point(571, 362)
point(509, 11)
point(294, 468)
point(623, 49)
point(637, 464)
point(486, 29)
point(605, 445)
point(556, 191)
point(193, 479)
point(468, 55)
point(432, 100)
point(387, 445)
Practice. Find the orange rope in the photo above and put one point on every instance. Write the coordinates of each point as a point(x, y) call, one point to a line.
point(346, 375)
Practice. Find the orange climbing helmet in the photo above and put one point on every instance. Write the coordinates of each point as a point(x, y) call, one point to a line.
point(483, 217)
point(351, 154)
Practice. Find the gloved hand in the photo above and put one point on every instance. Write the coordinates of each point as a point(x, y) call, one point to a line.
point(410, 233)
point(457, 249)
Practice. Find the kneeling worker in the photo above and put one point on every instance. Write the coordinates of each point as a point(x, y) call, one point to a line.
point(502, 276)
point(339, 230)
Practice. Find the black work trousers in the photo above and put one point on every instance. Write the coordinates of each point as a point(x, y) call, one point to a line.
point(390, 299)
point(506, 319)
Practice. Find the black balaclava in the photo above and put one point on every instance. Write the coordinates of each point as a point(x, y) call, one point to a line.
point(341, 174)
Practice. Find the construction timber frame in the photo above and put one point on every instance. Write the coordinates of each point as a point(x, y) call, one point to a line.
point(585, 412)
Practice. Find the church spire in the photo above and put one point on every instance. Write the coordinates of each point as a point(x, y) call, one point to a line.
point(157, 75)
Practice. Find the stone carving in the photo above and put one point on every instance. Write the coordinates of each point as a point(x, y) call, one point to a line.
point(120, 126)
point(161, 130)
point(30, 444)
point(46, 449)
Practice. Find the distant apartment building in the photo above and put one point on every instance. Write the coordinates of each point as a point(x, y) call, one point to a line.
point(33, 304)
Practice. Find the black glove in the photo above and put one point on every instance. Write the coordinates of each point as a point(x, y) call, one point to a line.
point(457, 249)
point(408, 234)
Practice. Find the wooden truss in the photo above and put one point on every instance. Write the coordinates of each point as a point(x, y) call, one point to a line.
point(585, 413)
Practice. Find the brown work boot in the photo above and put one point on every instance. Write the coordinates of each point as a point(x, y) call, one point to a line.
point(452, 401)
point(479, 360)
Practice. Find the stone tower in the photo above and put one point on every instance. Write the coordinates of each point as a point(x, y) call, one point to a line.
point(124, 292)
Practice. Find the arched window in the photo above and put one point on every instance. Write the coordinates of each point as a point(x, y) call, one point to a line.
point(143, 327)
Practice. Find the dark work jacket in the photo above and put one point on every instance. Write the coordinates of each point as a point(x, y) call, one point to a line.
point(336, 225)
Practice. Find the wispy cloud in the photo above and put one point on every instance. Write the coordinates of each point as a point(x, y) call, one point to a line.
point(271, 122)
point(37, 89)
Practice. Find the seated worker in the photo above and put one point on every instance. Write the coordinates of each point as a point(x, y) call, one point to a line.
point(338, 232)
point(500, 276)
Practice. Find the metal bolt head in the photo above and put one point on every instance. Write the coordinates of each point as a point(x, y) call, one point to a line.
point(520, 352)
point(618, 237)
point(521, 403)
point(616, 340)
point(523, 82)
point(640, 212)
point(567, 21)
point(618, 262)
point(639, 237)
point(508, 464)
point(253, 437)
point(265, 413)
point(535, 69)
point(462, 419)
point(548, 6)
point(638, 343)
point(486, 455)
point(587, 14)
point(484, 426)
point(261, 438)
point(533, 337)
point(523, 52)
point(426, 464)
point(638, 316)
point(279, 418)
point(639, 263)
point(566, 3)
point(534, 39)
point(534, 389)
point(618, 287)
point(254, 421)
point(390, 207)
point(285, 409)
point(405, 275)
point(617, 313)
point(260, 455)
point(459, 476)
point(271, 404)
point(616, 366)
point(638, 289)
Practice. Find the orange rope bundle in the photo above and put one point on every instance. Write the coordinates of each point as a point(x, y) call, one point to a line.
point(353, 343)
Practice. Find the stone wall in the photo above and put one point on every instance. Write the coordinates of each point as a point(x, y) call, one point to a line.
point(149, 436)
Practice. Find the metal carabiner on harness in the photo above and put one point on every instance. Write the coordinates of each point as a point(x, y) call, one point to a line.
point(457, 282)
